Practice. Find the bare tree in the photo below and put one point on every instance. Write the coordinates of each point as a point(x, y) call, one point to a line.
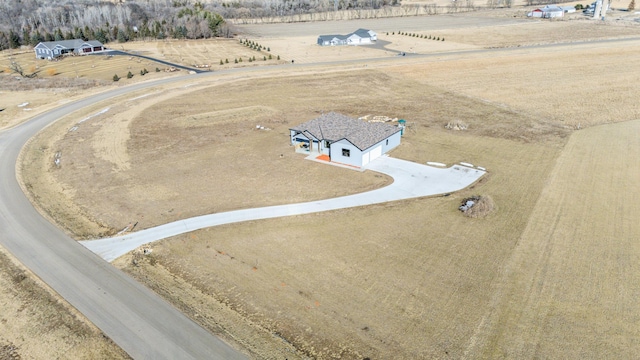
point(17, 69)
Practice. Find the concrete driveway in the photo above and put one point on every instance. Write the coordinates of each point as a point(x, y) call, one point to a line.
point(411, 180)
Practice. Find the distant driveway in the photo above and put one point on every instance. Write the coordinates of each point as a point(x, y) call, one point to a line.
point(124, 53)
point(411, 180)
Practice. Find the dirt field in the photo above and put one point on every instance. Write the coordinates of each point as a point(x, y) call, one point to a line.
point(35, 325)
point(410, 279)
point(569, 289)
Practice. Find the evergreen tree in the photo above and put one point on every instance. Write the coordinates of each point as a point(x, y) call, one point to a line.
point(100, 35)
point(14, 40)
point(121, 36)
point(89, 33)
point(36, 38)
point(78, 33)
point(4, 41)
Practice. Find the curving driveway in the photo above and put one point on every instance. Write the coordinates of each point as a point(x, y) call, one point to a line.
point(410, 180)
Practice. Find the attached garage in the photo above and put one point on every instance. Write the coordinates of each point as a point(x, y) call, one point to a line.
point(346, 140)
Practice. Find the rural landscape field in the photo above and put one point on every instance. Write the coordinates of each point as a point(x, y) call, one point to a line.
point(549, 108)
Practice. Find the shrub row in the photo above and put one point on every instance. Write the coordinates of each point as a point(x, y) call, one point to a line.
point(429, 37)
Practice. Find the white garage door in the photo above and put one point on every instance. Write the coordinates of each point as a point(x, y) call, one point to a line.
point(365, 159)
point(375, 153)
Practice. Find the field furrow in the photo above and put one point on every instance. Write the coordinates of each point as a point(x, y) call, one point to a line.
point(571, 287)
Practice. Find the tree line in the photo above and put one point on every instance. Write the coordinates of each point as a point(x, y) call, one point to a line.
point(28, 22)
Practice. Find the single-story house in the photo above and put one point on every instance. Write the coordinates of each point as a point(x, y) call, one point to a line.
point(52, 49)
point(332, 40)
point(358, 37)
point(547, 12)
point(345, 140)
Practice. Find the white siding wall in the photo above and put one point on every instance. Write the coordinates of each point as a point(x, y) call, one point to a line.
point(362, 158)
point(380, 148)
point(355, 156)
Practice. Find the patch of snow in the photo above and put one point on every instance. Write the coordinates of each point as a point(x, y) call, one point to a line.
point(23, 104)
point(466, 164)
point(94, 115)
point(436, 164)
point(143, 96)
point(481, 168)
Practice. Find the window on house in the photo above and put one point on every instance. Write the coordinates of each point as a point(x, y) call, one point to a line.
point(346, 152)
point(387, 142)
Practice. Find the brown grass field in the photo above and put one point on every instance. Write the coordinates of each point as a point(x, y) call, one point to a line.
point(34, 324)
point(550, 272)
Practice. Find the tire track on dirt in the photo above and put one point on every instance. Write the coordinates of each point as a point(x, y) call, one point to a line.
point(570, 287)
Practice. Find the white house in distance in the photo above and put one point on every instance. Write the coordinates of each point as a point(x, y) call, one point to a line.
point(551, 11)
point(339, 138)
point(358, 37)
point(52, 49)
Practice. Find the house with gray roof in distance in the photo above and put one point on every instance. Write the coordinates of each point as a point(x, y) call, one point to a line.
point(341, 139)
point(358, 37)
point(53, 49)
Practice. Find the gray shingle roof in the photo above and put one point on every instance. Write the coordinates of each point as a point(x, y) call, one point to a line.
point(70, 44)
point(333, 127)
point(331, 37)
point(363, 33)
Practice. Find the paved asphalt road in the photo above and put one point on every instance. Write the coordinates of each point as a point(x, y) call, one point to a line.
point(138, 320)
point(410, 180)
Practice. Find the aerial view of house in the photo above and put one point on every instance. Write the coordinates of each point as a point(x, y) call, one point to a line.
point(425, 207)
point(345, 140)
point(53, 49)
point(358, 37)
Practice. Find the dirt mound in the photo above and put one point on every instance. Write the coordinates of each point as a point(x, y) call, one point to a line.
point(477, 206)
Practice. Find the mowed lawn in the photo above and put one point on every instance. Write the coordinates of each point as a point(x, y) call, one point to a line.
point(571, 287)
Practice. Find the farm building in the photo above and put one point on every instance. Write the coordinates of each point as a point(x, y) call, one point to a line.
point(345, 140)
point(358, 37)
point(53, 49)
point(547, 12)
